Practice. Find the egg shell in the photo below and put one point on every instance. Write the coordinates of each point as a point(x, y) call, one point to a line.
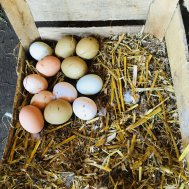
point(35, 83)
point(65, 90)
point(31, 119)
point(87, 48)
point(48, 66)
point(58, 112)
point(41, 99)
point(74, 67)
point(84, 108)
point(65, 47)
point(89, 84)
point(39, 50)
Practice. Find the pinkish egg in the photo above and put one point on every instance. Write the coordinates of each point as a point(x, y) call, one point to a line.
point(41, 99)
point(48, 66)
point(65, 90)
point(31, 119)
point(35, 83)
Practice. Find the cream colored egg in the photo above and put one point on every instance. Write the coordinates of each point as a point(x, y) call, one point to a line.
point(74, 67)
point(84, 108)
point(65, 90)
point(65, 47)
point(31, 119)
point(48, 66)
point(35, 83)
point(41, 99)
point(58, 112)
point(87, 48)
point(89, 84)
point(39, 50)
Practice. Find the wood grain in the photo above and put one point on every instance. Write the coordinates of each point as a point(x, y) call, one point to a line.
point(179, 62)
point(57, 33)
point(74, 10)
point(21, 20)
point(159, 17)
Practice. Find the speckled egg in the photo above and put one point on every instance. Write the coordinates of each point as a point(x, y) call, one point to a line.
point(58, 112)
point(84, 108)
point(65, 90)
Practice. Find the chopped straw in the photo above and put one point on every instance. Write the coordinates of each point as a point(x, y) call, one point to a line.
point(133, 142)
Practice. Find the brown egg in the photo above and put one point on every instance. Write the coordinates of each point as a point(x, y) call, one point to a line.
point(35, 83)
point(41, 99)
point(48, 66)
point(74, 67)
point(58, 112)
point(31, 119)
point(87, 48)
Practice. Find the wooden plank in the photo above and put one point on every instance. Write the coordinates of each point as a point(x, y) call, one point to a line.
point(57, 33)
point(74, 10)
point(21, 20)
point(179, 62)
point(159, 17)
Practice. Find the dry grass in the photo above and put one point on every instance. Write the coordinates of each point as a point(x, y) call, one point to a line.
point(134, 141)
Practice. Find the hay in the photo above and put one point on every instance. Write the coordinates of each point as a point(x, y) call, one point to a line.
point(133, 142)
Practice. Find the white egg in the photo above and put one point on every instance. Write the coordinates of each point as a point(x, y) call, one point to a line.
point(84, 108)
point(39, 50)
point(66, 91)
point(89, 84)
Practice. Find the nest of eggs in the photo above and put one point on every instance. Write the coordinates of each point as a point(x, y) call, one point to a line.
point(133, 142)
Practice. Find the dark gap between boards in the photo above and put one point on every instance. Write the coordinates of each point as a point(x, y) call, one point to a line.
point(89, 23)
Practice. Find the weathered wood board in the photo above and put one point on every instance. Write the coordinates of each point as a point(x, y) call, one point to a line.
point(57, 33)
point(74, 10)
point(179, 62)
point(159, 17)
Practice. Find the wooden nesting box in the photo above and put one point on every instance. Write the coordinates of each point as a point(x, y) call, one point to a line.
point(33, 19)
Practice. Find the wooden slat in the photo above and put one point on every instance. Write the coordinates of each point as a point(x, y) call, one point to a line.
point(21, 20)
point(159, 17)
point(179, 62)
point(57, 33)
point(87, 10)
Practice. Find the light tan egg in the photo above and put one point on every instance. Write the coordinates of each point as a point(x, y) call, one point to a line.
point(48, 66)
point(41, 99)
point(74, 67)
point(65, 90)
point(87, 47)
point(31, 119)
point(84, 108)
point(65, 47)
point(58, 112)
point(35, 83)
